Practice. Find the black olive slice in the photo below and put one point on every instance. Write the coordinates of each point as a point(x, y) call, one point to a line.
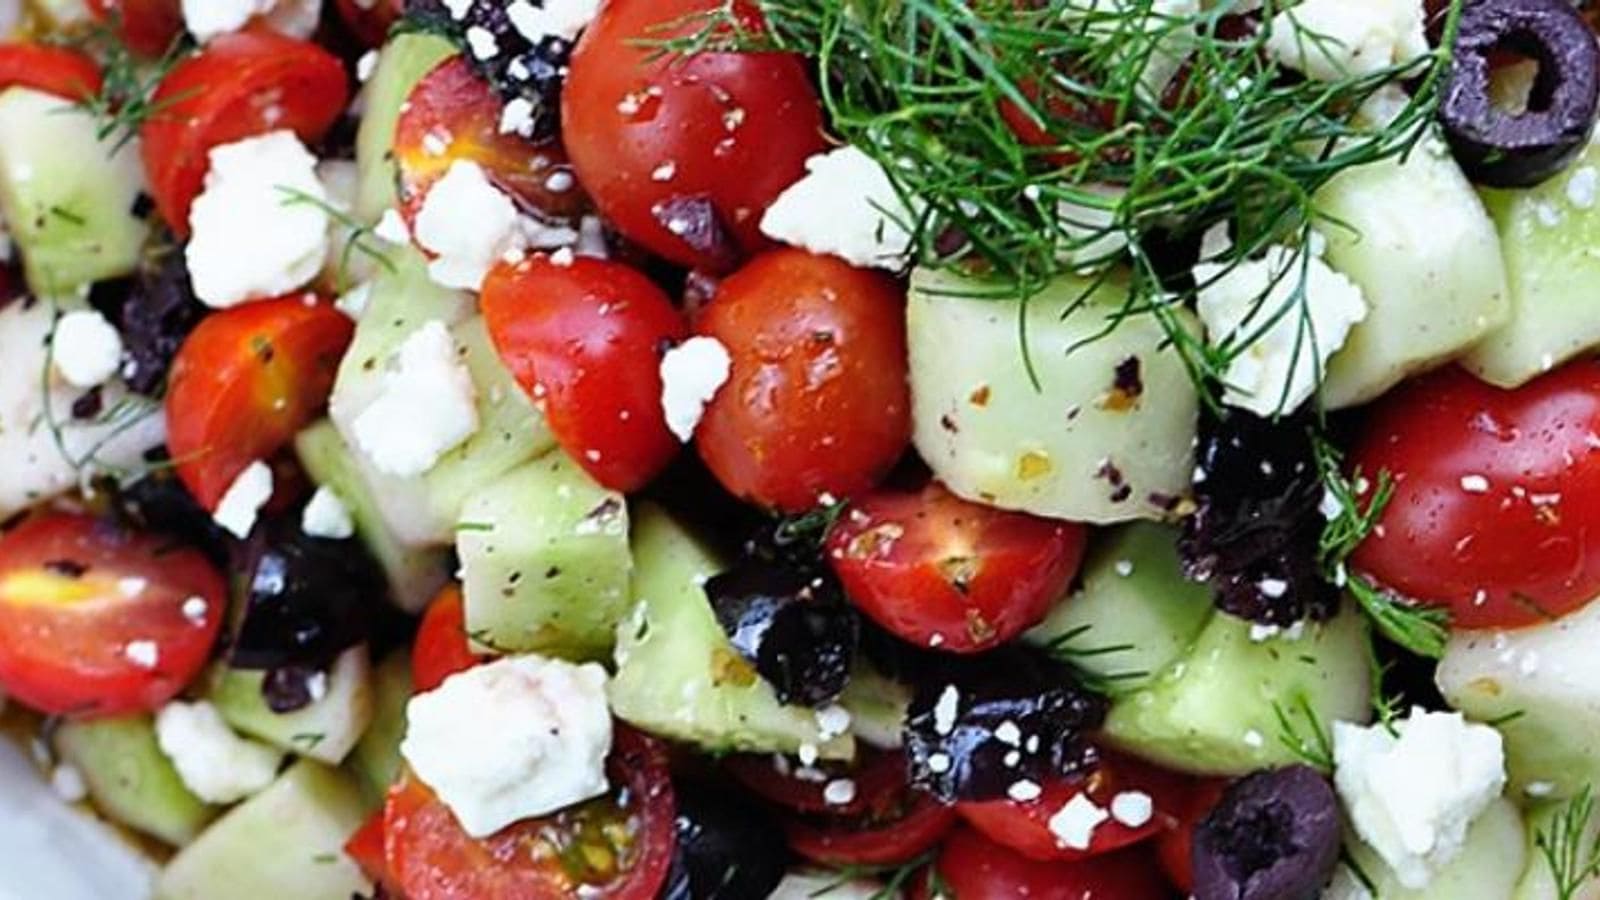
point(792, 624)
point(1274, 836)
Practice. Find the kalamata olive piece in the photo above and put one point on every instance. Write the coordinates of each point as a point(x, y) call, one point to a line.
point(792, 624)
point(1504, 148)
point(1274, 836)
point(727, 849)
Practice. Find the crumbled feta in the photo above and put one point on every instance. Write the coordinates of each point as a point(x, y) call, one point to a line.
point(516, 117)
point(326, 516)
point(1024, 791)
point(391, 228)
point(194, 609)
point(839, 791)
point(469, 223)
point(1133, 808)
point(691, 374)
point(428, 405)
point(259, 229)
point(216, 764)
point(208, 19)
point(845, 206)
point(67, 782)
point(240, 504)
point(1331, 40)
point(1412, 797)
point(1284, 354)
point(945, 709)
point(366, 65)
point(1089, 239)
point(561, 18)
point(353, 302)
point(1583, 187)
point(1075, 822)
point(519, 737)
point(85, 349)
point(482, 43)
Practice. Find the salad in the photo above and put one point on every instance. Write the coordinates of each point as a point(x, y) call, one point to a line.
point(689, 449)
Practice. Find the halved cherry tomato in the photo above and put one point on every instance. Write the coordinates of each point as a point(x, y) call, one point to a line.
point(441, 648)
point(54, 70)
point(1025, 827)
point(96, 620)
point(937, 570)
point(369, 20)
point(245, 381)
point(147, 27)
point(706, 143)
point(365, 849)
point(817, 402)
point(1175, 848)
point(1496, 506)
point(617, 847)
point(803, 790)
point(889, 823)
point(971, 867)
point(451, 115)
point(585, 341)
point(239, 86)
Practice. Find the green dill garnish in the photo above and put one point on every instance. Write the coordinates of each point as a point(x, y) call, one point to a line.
point(894, 878)
point(355, 236)
point(474, 526)
point(1506, 719)
point(1385, 707)
point(128, 85)
point(1065, 648)
point(117, 419)
point(1572, 854)
point(1311, 741)
point(67, 215)
point(308, 739)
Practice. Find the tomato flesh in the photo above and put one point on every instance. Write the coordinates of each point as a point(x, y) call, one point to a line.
point(365, 849)
point(147, 27)
point(1175, 847)
point(887, 823)
point(55, 70)
point(972, 867)
point(873, 776)
point(370, 21)
point(441, 648)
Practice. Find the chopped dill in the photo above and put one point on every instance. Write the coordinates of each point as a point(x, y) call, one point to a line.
point(895, 879)
point(1065, 649)
point(1572, 854)
point(1314, 744)
point(355, 234)
point(125, 100)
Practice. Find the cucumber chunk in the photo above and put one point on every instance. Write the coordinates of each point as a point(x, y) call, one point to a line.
point(285, 842)
point(401, 64)
point(130, 780)
point(877, 706)
point(1135, 614)
point(375, 761)
point(1215, 711)
point(1074, 447)
point(326, 730)
point(545, 561)
point(65, 195)
point(677, 675)
point(1487, 868)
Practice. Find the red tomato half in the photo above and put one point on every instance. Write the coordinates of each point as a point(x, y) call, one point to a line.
point(817, 401)
point(441, 648)
point(1496, 507)
point(617, 847)
point(239, 86)
point(804, 791)
point(54, 70)
point(365, 849)
point(147, 27)
point(705, 143)
point(245, 382)
point(95, 620)
point(585, 341)
point(939, 571)
point(888, 823)
point(1175, 848)
point(971, 867)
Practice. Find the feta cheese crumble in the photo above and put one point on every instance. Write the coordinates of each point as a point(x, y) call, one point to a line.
point(427, 407)
point(243, 500)
point(1075, 822)
point(326, 516)
point(519, 737)
point(560, 18)
point(216, 764)
point(469, 223)
point(1331, 40)
point(844, 206)
point(67, 782)
point(209, 19)
point(85, 349)
point(259, 228)
point(1133, 808)
point(1413, 796)
point(691, 374)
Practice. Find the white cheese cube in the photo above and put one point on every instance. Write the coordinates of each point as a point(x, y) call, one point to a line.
point(216, 764)
point(844, 206)
point(469, 224)
point(243, 500)
point(428, 405)
point(85, 350)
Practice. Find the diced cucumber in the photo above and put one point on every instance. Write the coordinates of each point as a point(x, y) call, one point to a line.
point(1135, 614)
point(1487, 868)
point(401, 64)
point(1548, 236)
point(1538, 686)
point(326, 730)
point(285, 842)
point(677, 675)
point(1538, 881)
point(1414, 237)
point(65, 195)
point(545, 561)
point(375, 761)
point(877, 705)
point(1216, 710)
point(414, 574)
point(130, 780)
point(1076, 446)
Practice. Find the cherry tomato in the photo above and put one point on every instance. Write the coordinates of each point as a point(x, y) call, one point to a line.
point(585, 341)
point(888, 823)
point(369, 20)
point(147, 27)
point(803, 790)
point(1496, 506)
point(441, 648)
point(54, 70)
point(971, 867)
point(365, 848)
point(817, 401)
point(96, 620)
point(245, 381)
point(937, 570)
point(704, 143)
point(241, 85)
point(1025, 827)
point(1175, 847)
point(617, 847)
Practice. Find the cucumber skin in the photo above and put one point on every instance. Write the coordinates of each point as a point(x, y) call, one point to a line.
point(401, 64)
point(130, 780)
point(327, 730)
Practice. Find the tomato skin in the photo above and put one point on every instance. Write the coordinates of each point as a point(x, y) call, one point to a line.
point(54, 70)
point(441, 648)
point(919, 827)
point(370, 25)
point(975, 868)
point(937, 570)
point(68, 616)
point(624, 116)
point(585, 341)
point(431, 858)
point(147, 27)
point(365, 848)
point(245, 381)
point(875, 775)
point(1175, 847)
point(1496, 505)
point(818, 400)
point(241, 85)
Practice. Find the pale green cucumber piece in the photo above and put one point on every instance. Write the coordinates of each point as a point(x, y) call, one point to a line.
point(1215, 710)
point(877, 706)
point(1135, 613)
point(677, 675)
point(285, 842)
point(1487, 868)
point(326, 730)
point(130, 780)
point(375, 761)
point(401, 64)
point(1072, 447)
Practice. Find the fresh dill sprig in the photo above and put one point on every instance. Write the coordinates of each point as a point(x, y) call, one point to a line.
point(126, 97)
point(895, 878)
point(1385, 707)
point(1314, 744)
point(118, 419)
point(355, 234)
point(1065, 649)
point(1573, 856)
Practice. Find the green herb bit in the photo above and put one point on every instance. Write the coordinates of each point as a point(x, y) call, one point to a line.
point(894, 878)
point(1064, 648)
point(126, 101)
point(1573, 856)
point(1314, 745)
point(356, 234)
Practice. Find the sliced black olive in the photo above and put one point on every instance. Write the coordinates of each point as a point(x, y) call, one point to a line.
point(1000, 726)
point(1274, 836)
point(1505, 148)
point(154, 311)
point(792, 624)
point(727, 849)
point(159, 502)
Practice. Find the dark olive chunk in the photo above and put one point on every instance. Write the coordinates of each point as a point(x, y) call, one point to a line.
point(1274, 836)
point(728, 849)
point(792, 624)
